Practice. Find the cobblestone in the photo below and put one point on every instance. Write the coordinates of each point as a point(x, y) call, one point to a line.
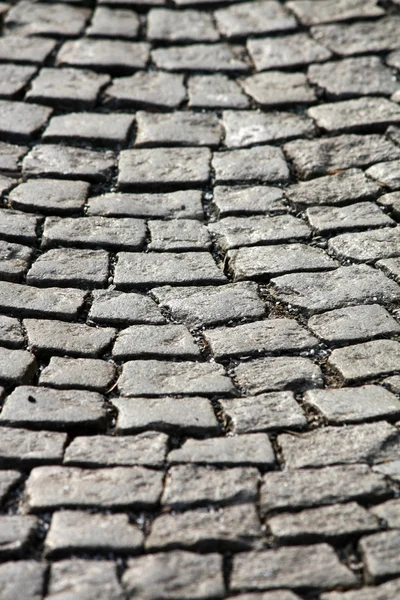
point(14, 78)
point(354, 115)
point(29, 18)
point(148, 341)
point(67, 266)
point(22, 448)
point(21, 49)
point(343, 10)
point(50, 196)
point(389, 512)
point(117, 308)
point(364, 361)
point(11, 334)
point(199, 57)
point(180, 235)
point(248, 200)
point(153, 89)
point(113, 23)
point(387, 174)
point(15, 261)
point(254, 18)
point(287, 51)
point(331, 219)
point(104, 55)
point(8, 479)
point(15, 533)
point(380, 555)
point(83, 578)
point(107, 130)
point(16, 366)
point(177, 129)
point(278, 88)
point(10, 157)
point(391, 588)
point(21, 122)
point(22, 578)
point(78, 373)
point(184, 26)
point(215, 91)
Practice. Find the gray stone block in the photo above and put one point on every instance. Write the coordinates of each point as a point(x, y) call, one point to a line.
point(117, 308)
point(200, 57)
point(261, 163)
point(380, 554)
point(151, 89)
point(68, 266)
point(97, 128)
point(288, 51)
point(16, 226)
point(149, 341)
point(278, 88)
point(386, 173)
point(21, 49)
point(254, 18)
point(334, 10)
point(391, 589)
point(326, 220)
point(113, 23)
point(177, 129)
point(21, 448)
point(78, 373)
point(111, 56)
point(8, 479)
point(34, 19)
point(16, 531)
point(22, 579)
point(14, 78)
point(11, 335)
point(10, 157)
point(20, 121)
point(178, 235)
point(50, 196)
point(84, 579)
point(248, 200)
point(181, 26)
point(355, 115)
point(16, 366)
point(14, 261)
point(215, 91)
point(365, 361)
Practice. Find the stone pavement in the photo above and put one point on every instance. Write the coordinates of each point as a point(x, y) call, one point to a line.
point(200, 300)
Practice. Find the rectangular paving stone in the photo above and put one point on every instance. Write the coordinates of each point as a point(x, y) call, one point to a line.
point(14, 260)
point(10, 156)
point(200, 57)
point(272, 335)
point(379, 592)
point(16, 531)
point(232, 528)
point(278, 374)
point(379, 552)
point(16, 226)
point(22, 578)
point(390, 266)
point(96, 128)
point(320, 157)
point(262, 262)
point(147, 89)
point(83, 578)
point(188, 575)
point(287, 51)
point(149, 341)
point(95, 232)
point(68, 266)
point(33, 18)
point(112, 23)
point(150, 168)
point(319, 292)
point(40, 407)
point(149, 270)
point(175, 205)
point(159, 378)
point(389, 512)
point(215, 91)
point(69, 88)
point(117, 308)
point(178, 235)
point(177, 129)
point(73, 531)
point(355, 115)
point(211, 305)
point(190, 25)
point(11, 334)
point(67, 162)
point(111, 56)
point(322, 524)
point(16, 366)
point(315, 567)
point(8, 479)
point(191, 415)
point(386, 173)
point(117, 487)
point(369, 442)
point(365, 361)
point(253, 18)
point(310, 13)
point(49, 196)
point(261, 163)
point(392, 383)
point(278, 88)
point(248, 200)
point(353, 405)
point(21, 49)
point(21, 448)
point(265, 412)
point(146, 449)
point(78, 373)
point(14, 78)
point(353, 324)
point(20, 122)
point(326, 220)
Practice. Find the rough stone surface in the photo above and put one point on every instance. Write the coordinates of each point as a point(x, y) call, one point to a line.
point(14, 78)
point(22, 579)
point(11, 334)
point(355, 115)
point(104, 55)
point(387, 174)
point(22, 49)
point(107, 22)
point(14, 261)
point(68, 266)
point(379, 592)
point(379, 552)
point(288, 51)
point(365, 361)
point(15, 533)
point(248, 200)
point(10, 156)
point(50, 196)
point(249, 18)
point(147, 341)
point(30, 18)
point(389, 511)
point(178, 235)
point(78, 373)
point(117, 308)
point(16, 366)
point(199, 57)
point(8, 479)
point(153, 89)
point(188, 25)
point(334, 10)
point(391, 267)
point(22, 448)
point(215, 91)
point(277, 88)
point(326, 220)
point(21, 122)
point(177, 129)
point(263, 163)
point(84, 579)
point(102, 129)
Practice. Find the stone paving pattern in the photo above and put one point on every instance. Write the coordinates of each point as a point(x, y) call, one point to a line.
point(200, 300)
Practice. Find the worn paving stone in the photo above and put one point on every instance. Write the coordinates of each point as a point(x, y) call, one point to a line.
point(353, 405)
point(159, 378)
point(261, 163)
point(50, 196)
point(278, 374)
point(11, 334)
point(233, 232)
point(215, 91)
point(16, 531)
point(84, 579)
point(71, 88)
point(266, 261)
point(353, 324)
point(288, 51)
point(68, 266)
point(210, 305)
point(364, 361)
point(67, 162)
point(16, 366)
point(359, 76)
point(257, 199)
point(21, 49)
point(211, 58)
point(177, 574)
point(393, 383)
point(74, 531)
point(393, 59)
point(30, 18)
point(247, 449)
point(331, 219)
point(117, 308)
point(6, 183)
point(380, 592)
point(273, 335)
point(380, 555)
point(319, 292)
point(307, 488)
point(277, 88)
point(387, 174)
point(14, 78)
point(152, 89)
point(245, 128)
point(325, 523)
point(193, 416)
point(315, 567)
point(355, 115)
point(265, 412)
point(149, 270)
point(95, 232)
point(178, 235)
point(111, 56)
point(232, 528)
point(10, 157)
point(22, 579)
point(21, 448)
point(146, 449)
point(321, 157)
point(181, 26)
point(327, 11)
point(16, 226)
point(112, 23)
point(78, 373)
point(40, 407)
point(250, 18)
point(389, 512)
point(20, 122)
point(366, 245)
point(117, 487)
point(359, 37)
point(150, 168)
point(390, 266)
point(390, 469)
point(14, 260)
point(149, 341)
point(8, 479)
point(75, 339)
point(97, 128)
point(177, 129)
point(370, 443)
point(174, 205)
